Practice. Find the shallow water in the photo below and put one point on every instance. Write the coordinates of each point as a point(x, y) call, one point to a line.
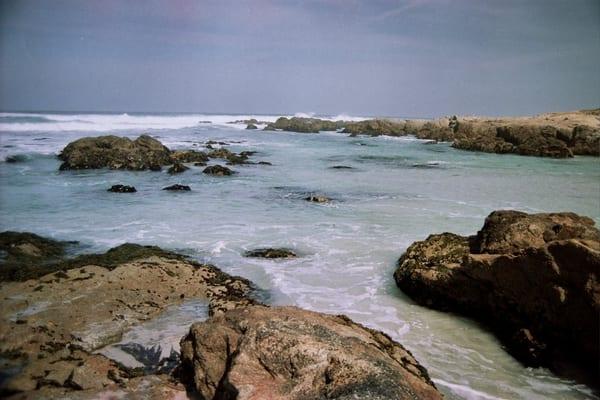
point(399, 190)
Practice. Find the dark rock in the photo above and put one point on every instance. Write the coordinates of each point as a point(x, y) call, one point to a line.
point(178, 187)
point(200, 164)
point(186, 156)
point(317, 199)
point(532, 278)
point(115, 153)
point(16, 158)
point(259, 352)
point(122, 189)
point(264, 163)
point(375, 127)
point(177, 168)
point(218, 170)
point(304, 125)
point(27, 255)
point(251, 126)
point(270, 253)
point(341, 167)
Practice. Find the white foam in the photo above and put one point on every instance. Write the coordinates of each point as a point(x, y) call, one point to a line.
point(112, 122)
point(466, 392)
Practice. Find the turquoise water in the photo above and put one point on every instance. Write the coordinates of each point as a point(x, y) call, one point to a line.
point(399, 191)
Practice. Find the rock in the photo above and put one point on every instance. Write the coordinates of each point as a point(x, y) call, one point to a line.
point(186, 156)
point(585, 141)
point(121, 189)
point(52, 324)
point(532, 278)
point(200, 164)
point(288, 353)
point(271, 253)
point(304, 125)
point(264, 163)
point(375, 127)
point(178, 187)
point(16, 158)
point(220, 153)
point(115, 152)
point(317, 199)
point(177, 168)
point(251, 126)
point(27, 255)
point(218, 170)
point(341, 167)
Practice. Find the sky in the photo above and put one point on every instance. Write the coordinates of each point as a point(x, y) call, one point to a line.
point(411, 58)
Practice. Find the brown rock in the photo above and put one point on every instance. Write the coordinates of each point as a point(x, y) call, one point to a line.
point(288, 353)
point(533, 279)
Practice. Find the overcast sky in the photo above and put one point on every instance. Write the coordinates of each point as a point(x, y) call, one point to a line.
point(387, 58)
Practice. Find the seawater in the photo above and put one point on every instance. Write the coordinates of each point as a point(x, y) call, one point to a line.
point(400, 190)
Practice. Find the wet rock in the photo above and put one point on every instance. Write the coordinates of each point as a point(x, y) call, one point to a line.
point(251, 126)
point(16, 158)
point(115, 152)
point(304, 125)
point(271, 253)
point(264, 163)
point(177, 168)
point(178, 187)
point(200, 164)
point(375, 127)
point(121, 189)
point(28, 255)
point(532, 278)
point(91, 302)
point(186, 156)
point(288, 353)
point(218, 170)
point(220, 153)
point(341, 167)
point(317, 199)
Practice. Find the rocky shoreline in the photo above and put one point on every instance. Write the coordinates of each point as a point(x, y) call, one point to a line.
point(532, 278)
point(557, 135)
point(60, 316)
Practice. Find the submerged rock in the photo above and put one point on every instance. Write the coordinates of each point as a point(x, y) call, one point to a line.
point(53, 323)
point(115, 152)
point(121, 189)
point(270, 253)
point(218, 170)
point(178, 187)
point(288, 353)
point(177, 168)
point(341, 167)
point(533, 278)
point(251, 126)
point(317, 199)
point(16, 158)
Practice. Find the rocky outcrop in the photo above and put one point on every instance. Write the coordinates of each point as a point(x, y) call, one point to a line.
point(178, 187)
point(375, 127)
point(53, 321)
point(115, 152)
point(27, 255)
point(304, 125)
point(270, 253)
point(188, 156)
point(121, 189)
point(533, 278)
point(251, 126)
point(218, 170)
point(288, 353)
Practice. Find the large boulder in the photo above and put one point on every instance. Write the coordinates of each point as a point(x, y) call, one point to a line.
point(532, 278)
point(259, 352)
point(115, 152)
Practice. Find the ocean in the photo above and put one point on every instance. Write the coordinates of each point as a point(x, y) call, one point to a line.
point(399, 190)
